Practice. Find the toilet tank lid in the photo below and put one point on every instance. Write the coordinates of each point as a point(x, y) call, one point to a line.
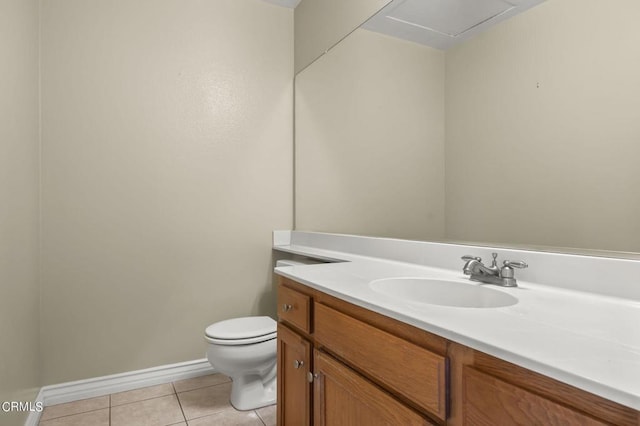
point(241, 328)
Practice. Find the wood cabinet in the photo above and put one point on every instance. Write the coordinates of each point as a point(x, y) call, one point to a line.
point(404, 368)
point(488, 390)
point(344, 397)
point(366, 368)
point(490, 401)
point(341, 364)
point(295, 308)
point(294, 366)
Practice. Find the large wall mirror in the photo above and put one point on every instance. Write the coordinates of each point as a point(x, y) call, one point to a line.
point(523, 132)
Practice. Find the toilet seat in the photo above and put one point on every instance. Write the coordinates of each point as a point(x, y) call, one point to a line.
point(233, 342)
point(241, 331)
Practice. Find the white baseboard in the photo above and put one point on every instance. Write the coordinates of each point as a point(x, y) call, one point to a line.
point(34, 417)
point(98, 386)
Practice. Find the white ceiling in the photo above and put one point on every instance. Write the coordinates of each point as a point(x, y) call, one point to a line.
point(443, 23)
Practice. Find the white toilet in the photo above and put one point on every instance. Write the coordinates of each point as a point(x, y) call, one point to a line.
point(245, 350)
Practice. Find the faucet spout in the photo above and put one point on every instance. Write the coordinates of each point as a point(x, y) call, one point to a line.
point(476, 267)
point(493, 274)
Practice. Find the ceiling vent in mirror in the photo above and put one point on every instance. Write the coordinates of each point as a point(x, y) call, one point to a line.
point(443, 23)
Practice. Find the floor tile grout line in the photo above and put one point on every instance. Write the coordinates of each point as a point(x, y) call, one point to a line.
point(75, 414)
point(207, 415)
point(260, 417)
point(144, 399)
point(264, 421)
point(179, 402)
point(204, 387)
point(199, 389)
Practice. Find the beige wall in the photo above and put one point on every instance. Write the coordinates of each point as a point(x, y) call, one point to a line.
point(19, 371)
point(167, 149)
point(319, 24)
point(543, 129)
point(370, 139)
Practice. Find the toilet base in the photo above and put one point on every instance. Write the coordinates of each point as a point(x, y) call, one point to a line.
point(252, 391)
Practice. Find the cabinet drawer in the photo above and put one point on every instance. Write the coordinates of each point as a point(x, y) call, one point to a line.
point(490, 401)
point(294, 308)
point(410, 371)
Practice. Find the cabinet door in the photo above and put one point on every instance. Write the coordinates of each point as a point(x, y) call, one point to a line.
point(343, 397)
point(489, 401)
point(294, 389)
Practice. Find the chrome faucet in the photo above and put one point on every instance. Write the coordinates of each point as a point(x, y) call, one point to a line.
point(502, 276)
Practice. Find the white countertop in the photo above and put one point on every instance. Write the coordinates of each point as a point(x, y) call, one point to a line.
point(587, 340)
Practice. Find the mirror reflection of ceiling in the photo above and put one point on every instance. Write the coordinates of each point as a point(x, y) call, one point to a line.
point(443, 23)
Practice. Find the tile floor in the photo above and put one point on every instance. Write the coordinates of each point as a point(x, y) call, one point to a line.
point(202, 401)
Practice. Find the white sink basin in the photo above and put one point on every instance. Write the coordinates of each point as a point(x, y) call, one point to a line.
point(442, 292)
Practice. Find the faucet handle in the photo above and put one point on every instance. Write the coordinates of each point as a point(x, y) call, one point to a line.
point(515, 264)
point(468, 258)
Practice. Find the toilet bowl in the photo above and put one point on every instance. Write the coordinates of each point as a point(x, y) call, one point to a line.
point(245, 350)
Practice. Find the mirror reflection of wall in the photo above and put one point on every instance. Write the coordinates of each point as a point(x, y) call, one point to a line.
point(320, 24)
point(527, 134)
point(370, 139)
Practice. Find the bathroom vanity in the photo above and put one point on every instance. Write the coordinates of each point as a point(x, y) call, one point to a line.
point(350, 355)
